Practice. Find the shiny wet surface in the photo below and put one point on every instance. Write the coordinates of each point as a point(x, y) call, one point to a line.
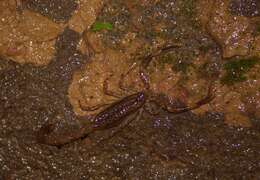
point(166, 146)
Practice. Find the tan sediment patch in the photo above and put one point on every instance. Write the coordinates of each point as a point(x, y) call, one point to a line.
point(38, 27)
point(234, 110)
point(87, 84)
point(205, 9)
point(233, 33)
point(29, 38)
point(239, 102)
point(255, 50)
point(85, 15)
point(237, 119)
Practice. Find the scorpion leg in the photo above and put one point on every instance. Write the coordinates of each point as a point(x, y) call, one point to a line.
point(106, 91)
point(109, 92)
point(147, 60)
point(123, 76)
point(210, 96)
point(144, 64)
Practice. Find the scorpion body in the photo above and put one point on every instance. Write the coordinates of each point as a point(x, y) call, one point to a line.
point(114, 115)
point(108, 118)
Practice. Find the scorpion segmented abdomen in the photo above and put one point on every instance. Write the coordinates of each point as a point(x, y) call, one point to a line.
point(114, 114)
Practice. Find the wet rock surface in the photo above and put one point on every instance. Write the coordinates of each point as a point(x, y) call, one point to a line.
point(191, 145)
point(57, 10)
point(166, 146)
point(249, 8)
point(31, 96)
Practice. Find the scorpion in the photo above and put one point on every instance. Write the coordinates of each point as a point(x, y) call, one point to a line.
point(115, 114)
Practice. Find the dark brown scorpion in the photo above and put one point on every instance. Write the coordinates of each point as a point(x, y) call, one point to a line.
point(115, 114)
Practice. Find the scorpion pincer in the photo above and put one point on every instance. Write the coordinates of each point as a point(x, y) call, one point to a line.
point(115, 114)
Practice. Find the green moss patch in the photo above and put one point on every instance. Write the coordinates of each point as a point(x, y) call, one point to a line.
point(235, 70)
point(98, 26)
point(179, 60)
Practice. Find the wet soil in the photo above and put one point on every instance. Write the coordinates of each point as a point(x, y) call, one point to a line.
point(192, 145)
point(58, 11)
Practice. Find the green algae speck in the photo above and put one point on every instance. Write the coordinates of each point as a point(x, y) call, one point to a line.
point(98, 26)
